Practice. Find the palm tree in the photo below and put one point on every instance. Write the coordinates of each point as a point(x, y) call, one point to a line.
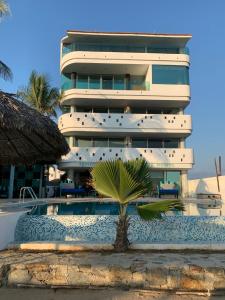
point(40, 95)
point(126, 182)
point(5, 71)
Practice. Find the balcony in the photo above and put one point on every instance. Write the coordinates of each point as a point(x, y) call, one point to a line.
point(114, 62)
point(86, 123)
point(173, 159)
point(94, 47)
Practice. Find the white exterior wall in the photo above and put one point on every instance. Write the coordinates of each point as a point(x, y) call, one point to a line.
point(112, 122)
point(127, 125)
point(207, 185)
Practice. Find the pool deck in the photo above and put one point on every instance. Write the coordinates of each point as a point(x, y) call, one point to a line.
point(18, 204)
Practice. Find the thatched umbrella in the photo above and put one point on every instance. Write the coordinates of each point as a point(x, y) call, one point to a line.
point(26, 136)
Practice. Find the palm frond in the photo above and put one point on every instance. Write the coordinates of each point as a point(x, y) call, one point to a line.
point(155, 210)
point(118, 180)
point(4, 9)
point(5, 71)
point(40, 95)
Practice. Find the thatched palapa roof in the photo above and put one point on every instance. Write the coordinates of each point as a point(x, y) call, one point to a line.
point(26, 136)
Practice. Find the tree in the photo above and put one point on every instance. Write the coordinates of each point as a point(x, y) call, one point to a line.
point(126, 182)
point(40, 95)
point(5, 71)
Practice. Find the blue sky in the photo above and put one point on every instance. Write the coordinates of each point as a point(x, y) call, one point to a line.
point(30, 40)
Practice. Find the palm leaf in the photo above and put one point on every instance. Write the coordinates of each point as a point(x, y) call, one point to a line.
point(39, 94)
point(4, 9)
point(5, 71)
point(118, 180)
point(155, 210)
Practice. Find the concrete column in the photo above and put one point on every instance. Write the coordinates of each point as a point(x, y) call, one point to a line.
point(11, 181)
point(184, 184)
point(181, 111)
point(182, 143)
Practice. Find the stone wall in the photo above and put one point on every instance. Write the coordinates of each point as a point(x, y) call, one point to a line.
point(102, 229)
point(136, 270)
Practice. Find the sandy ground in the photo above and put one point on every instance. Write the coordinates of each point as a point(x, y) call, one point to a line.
point(109, 294)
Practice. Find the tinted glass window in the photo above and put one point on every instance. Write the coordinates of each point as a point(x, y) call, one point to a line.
point(162, 74)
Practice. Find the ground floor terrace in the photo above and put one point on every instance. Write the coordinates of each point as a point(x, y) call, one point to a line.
point(176, 180)
point(105, 275)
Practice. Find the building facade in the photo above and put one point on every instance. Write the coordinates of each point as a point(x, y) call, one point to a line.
point(124, 96)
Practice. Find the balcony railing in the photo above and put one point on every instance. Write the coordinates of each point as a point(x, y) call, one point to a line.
point(178, 158)
point(121, 122)
point(105, 82)
point(67, 48)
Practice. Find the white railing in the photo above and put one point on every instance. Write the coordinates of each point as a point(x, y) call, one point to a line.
point(114, 122)
point(29, 190)
point(170, 158)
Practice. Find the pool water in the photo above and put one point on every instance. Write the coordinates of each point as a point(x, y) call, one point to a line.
point(192, 208)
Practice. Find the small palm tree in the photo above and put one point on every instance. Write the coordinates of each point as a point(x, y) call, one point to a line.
point(40, 95)
point(125, 182)
point(5, 71)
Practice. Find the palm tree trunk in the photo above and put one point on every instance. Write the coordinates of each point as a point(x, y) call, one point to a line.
point(122, 243)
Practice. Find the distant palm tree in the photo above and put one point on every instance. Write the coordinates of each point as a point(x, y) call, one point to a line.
point(5, 71)
point(40, 95)
point(126, 182)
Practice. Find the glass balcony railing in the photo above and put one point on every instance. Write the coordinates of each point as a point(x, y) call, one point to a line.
point(67, 48)
point(104, 82)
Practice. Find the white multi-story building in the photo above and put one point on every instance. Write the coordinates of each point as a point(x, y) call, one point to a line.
point(124, 96)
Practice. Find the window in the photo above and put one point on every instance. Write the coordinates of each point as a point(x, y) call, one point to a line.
point(65, 109)
point(107, 82)
point(116, 110)
point(138, 110)
point(94, 82)
point(100, 142)
point(119, 83)
point(171, 143)
point(82, 82)
point(139, 143)
point(84, 142)
point(172, 177)
point(153, 143)
point(116, 143)
point(101, 110)
point(83, 109)
point(163, 74)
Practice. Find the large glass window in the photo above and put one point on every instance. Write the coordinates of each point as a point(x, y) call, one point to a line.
point(119, 82)
point(137, 82)
point(101, 110)
point(84, 142)
point(171, 143)
point(107, 82)
point(138, 110)
point(172, 177)
point(113, 142)
point(163, 74)
point(154, 143)
point(65, 109)
point(116, 110)
point(94, 82)
point(139, 143)
point(82, 82)
point(101, 142)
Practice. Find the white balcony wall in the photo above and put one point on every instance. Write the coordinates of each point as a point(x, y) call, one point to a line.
point(76, 58)
point(175, 159)
point(166, 95)
point(126, 123)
